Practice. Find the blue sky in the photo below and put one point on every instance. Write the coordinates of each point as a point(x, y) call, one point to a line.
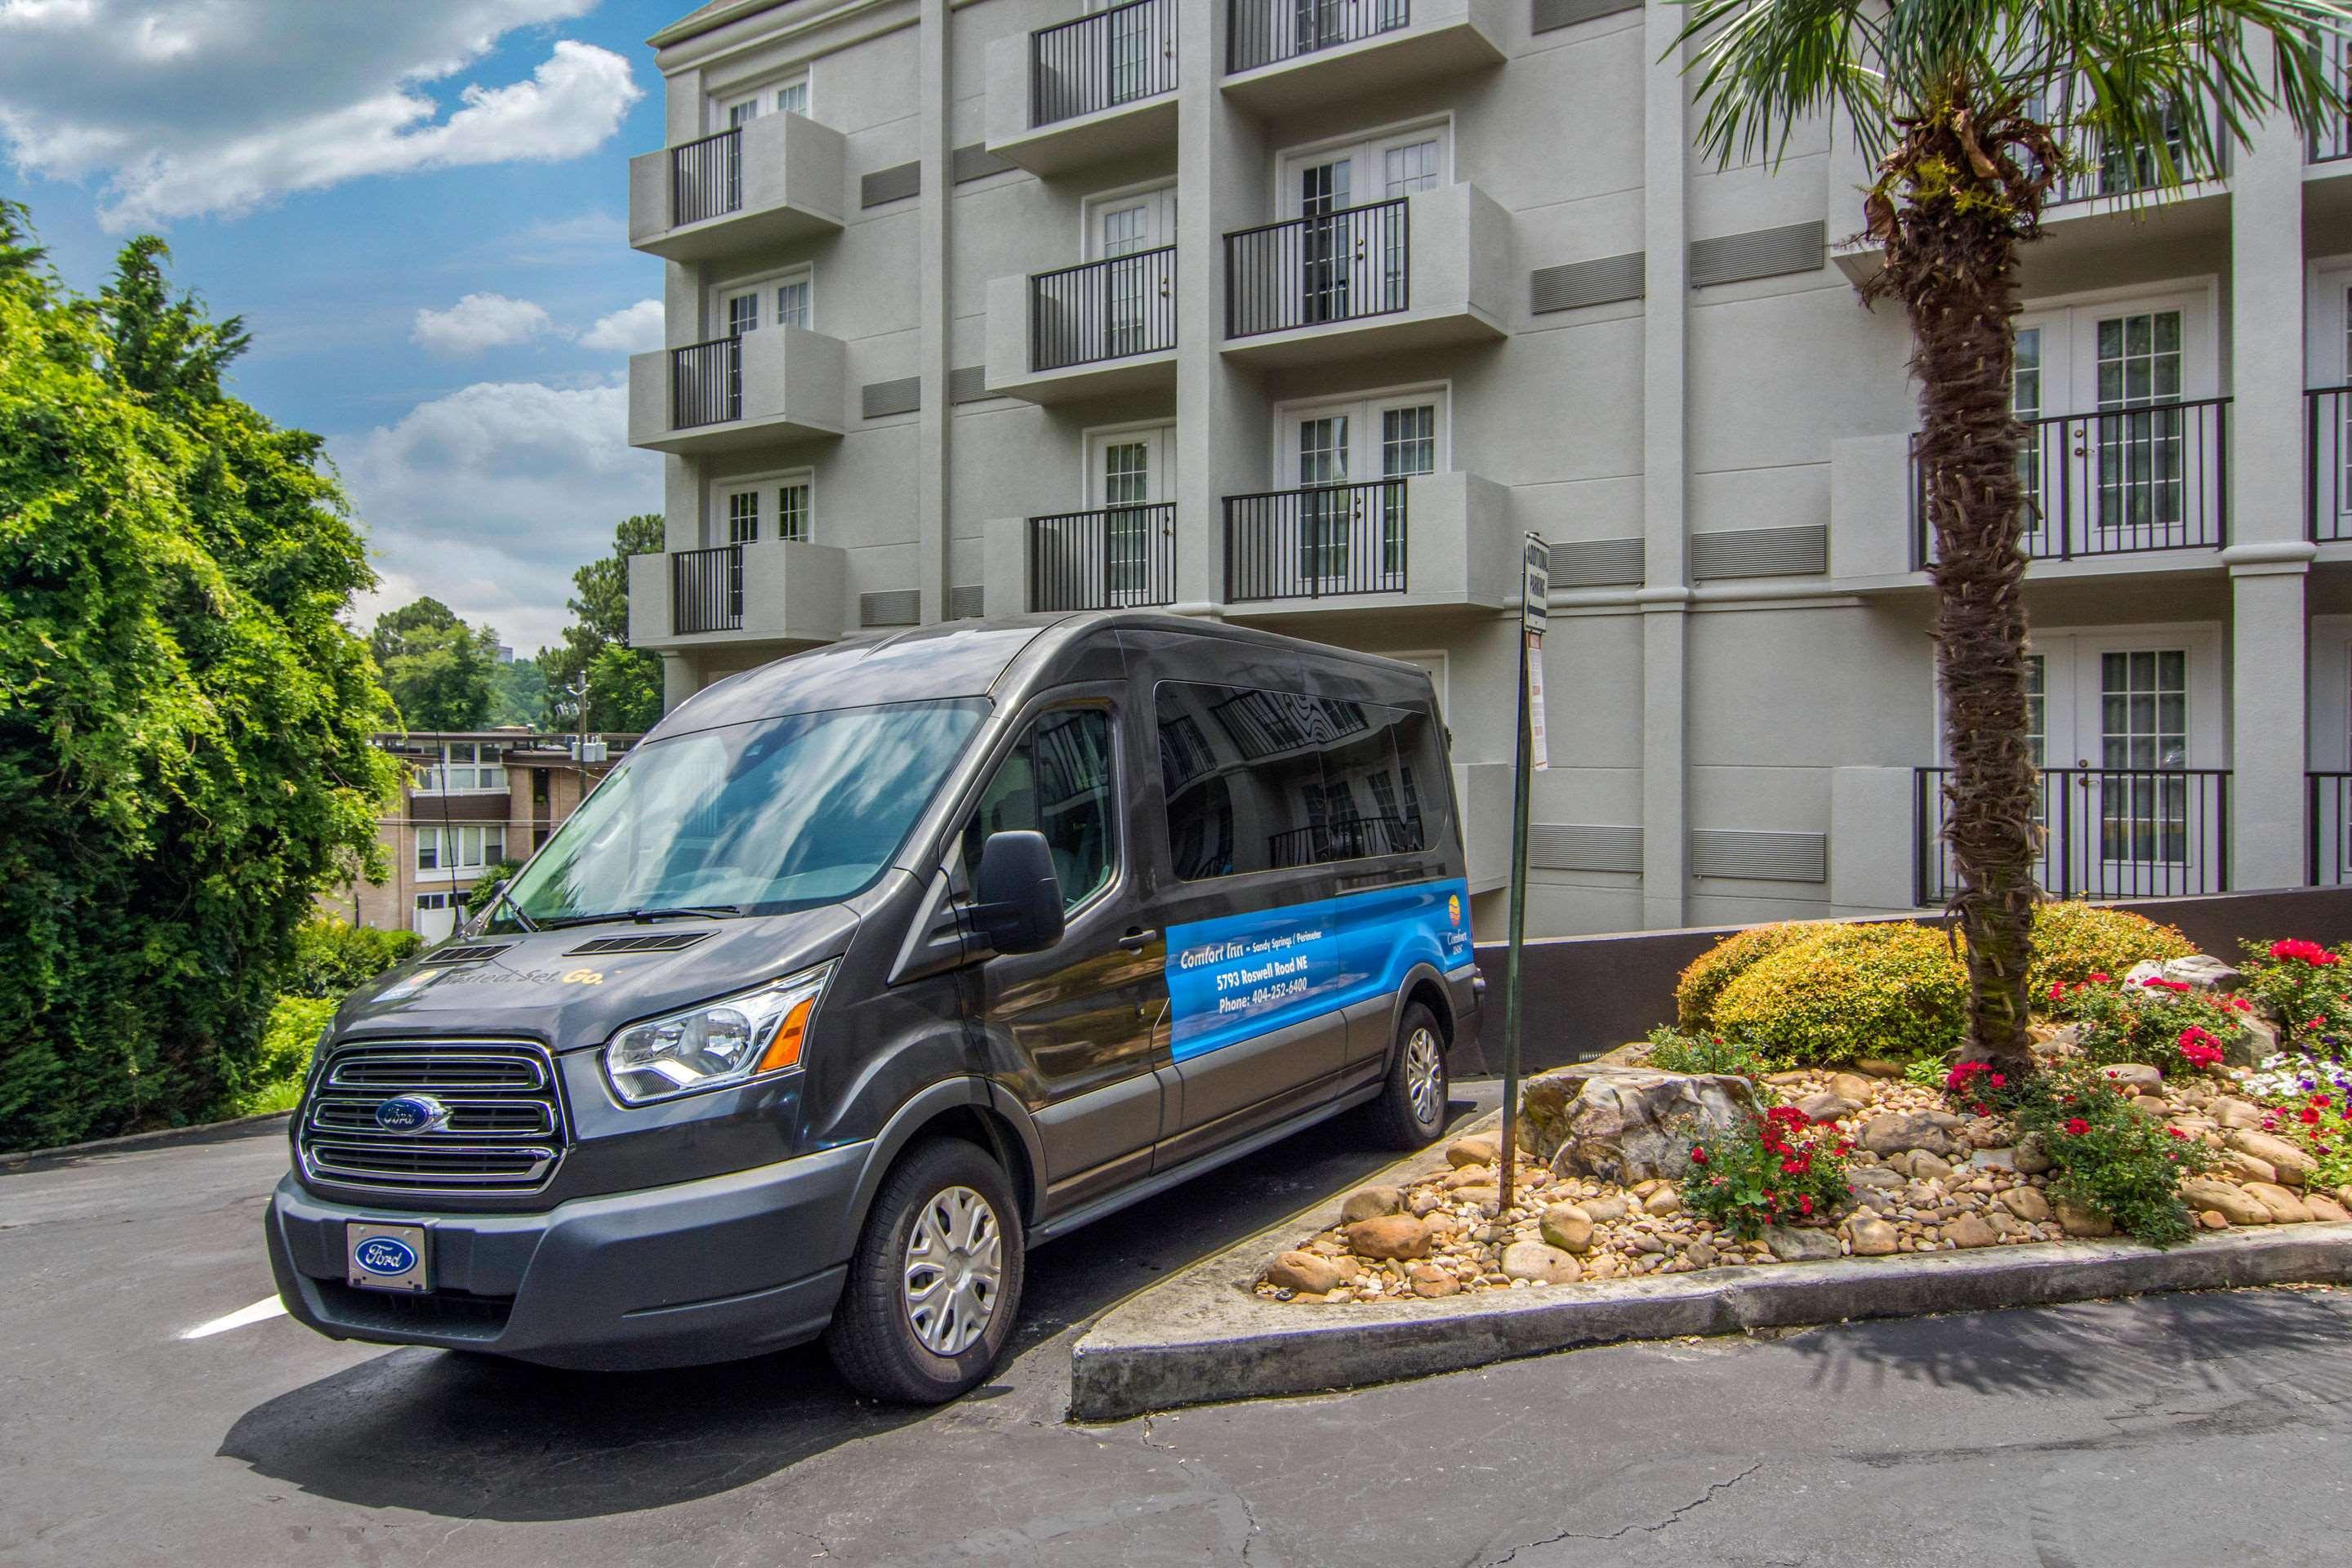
point(420, 210)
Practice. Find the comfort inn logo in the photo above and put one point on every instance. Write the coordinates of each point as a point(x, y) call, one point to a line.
point(1453, 911)
point(585, 977)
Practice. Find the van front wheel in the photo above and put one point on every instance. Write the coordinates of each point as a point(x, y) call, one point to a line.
point(1411, 1111)
point(935, 1283)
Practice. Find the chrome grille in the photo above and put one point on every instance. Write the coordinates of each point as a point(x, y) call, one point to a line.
point(504, 1130)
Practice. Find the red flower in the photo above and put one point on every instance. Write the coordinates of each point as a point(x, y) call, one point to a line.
point(2301, 951)
point(2098, 979)
point(2308, 1116)
point(1982, 1109)
point(2158, 982)
point(1698, 1156)
point(1804, 1203)
point(2076, 1126)
point(1998, 1080)
point(2319, 1099)
point(2178, 1131)
point(2057, 990)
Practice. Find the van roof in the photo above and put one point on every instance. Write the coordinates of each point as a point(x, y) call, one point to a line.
point(954, 658)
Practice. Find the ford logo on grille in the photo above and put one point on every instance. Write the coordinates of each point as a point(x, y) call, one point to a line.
point(383, 1255)
point(412, 1113)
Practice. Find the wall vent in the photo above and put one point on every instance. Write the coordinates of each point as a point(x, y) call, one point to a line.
point(1596, 562)
point(965, 603)
point(891, 184)
point(892, 607)
point(1573, 285)
point(1584, 846)
point(1760, 856)
point(968, 384)
point(974, 162)
point(1799, 551)
point(884, 398)
point(1550, 15)
point(1760, 253)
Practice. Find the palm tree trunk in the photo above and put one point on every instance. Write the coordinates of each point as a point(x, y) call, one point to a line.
point(1953, 263)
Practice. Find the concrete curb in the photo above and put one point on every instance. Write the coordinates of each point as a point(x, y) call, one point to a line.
point(164, 1135)
point(1202, 1335)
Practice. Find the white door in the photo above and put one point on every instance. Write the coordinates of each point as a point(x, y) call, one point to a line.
point(1132, 300)
point(1348, 257)
point(2129, 744)
point(1128, 486)
point(1353, 539)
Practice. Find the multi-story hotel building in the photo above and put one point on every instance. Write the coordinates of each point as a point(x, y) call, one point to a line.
point(1300, 313)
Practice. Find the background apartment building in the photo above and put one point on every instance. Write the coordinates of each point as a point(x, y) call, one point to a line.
point(1300, 314)
point(473, 798)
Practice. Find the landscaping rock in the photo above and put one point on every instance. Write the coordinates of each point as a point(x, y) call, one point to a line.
point(1827, 1107)
point(1971, 1230)
point(2201, 970)
point(2233, 1202)
point(2232, 1113)
point(1794, 1244)
point(2294, 1166)
point(1533, 1261)
point(2324, 1208)
point(1568, 1227)
point(2132, 1077)
point(1632, 1124)
point(2255, 1042)
point(1392, 1235)
point(1604, 1209)
point(1879, 1176)
point(1995, 1159)
point(1928, 1167)
point(1369, 1203)
point(1873, 1238)
point(1852, 1086)
point(1702, 1255)
point(1430, 1282)
point(2027, 1203)
point(1480, 1150)
point(2030, 1159)
point(1879, 1066)
point(1479, 1192)
point(1423, 1202)
point(1663, 1202)
point(2284, 1206)
point(2240, 1167)
point(1303, 1271)
point(2077, 1220)
point(2151, 1106)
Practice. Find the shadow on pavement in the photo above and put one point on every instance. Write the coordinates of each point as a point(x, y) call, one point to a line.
point(464, 1435)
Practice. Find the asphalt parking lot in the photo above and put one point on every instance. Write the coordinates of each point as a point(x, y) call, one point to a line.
point(2182, 1429)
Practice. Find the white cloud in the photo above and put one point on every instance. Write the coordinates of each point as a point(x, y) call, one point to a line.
point(633, 331)
point(489, 498)
point(478, 321)
point(219, 105)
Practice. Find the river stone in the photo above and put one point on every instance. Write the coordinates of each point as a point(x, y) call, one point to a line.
point(1873, 1238)
point(1927, 1167)
point(1479, 1151)
point(1429, 1281)
point(2201, 970)
point(1875, 1177)
point(2227, 1199)
point(1389, 1236)
point(2031, 1158)
point(2241, 1166)
point(1852, 1086)
point(1899, 1130)
point(1604, 1209)
point(1879, 1066)
point(1568, 1227)
point(2026, 1204)
point(1828, 1107)
point(1664, 1203)
point(1533, 1261)
point(2284, 1206)
point(1369, 1203)
point(2324, 1207)
point(2294, 1166)
point(1797, 1244)
point(1971, 1230)
point(2232, 1113)
point(2132, 1077)
point(1303, 1272)
point(2255, 1043)
point(1632, 1124)
point(1479, 1192)
point(2077, 1219)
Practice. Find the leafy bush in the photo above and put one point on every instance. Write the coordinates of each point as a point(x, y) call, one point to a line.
point(2108, 1156)
point(2074, 940)
point(1777, 1170)
point(2316, 1118)
point(1892, 989)
point(1674, 1052)
point(285, 1042)
point(2305, 988)
point(478, 898)
point(2169, 1025)
point(1726, 961)
point(333, 958)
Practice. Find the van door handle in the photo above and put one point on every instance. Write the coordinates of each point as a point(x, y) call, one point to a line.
point(1138, 940)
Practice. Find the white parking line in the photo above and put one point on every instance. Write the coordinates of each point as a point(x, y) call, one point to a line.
point(258, 1312)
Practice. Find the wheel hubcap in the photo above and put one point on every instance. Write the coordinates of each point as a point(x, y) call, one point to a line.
point(1425, 1073)
point(954, 1271)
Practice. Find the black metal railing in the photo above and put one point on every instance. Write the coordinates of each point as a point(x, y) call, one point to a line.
point(705, 177)
point(705, 589)
point(1264, 31)
point(2329, 442)
point(1331, 267)
point(1316, 543)
point(2124, 171)
point(2331, 830)
point(2107, 833)
point(1104, 310)
point(706, 383)
point(2117, 482)
point(1347, 838)
point(1102, 559)
point(1101, 61)
point(2333, 142)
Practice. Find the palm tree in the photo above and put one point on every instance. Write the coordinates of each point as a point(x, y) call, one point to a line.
point(1974, 111)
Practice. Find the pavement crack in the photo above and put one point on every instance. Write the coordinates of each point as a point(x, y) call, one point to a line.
point(1713, 1489)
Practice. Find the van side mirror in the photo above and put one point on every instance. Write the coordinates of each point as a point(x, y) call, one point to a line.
point(1020, 898)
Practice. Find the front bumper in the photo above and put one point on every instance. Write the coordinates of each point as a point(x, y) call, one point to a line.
point(700, 1271)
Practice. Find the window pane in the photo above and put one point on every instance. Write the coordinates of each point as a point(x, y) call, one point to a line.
point(792, 304)
point(1409, 441)
point(743, 313)
point(743, 517)
point(793, 513)
point(1057, 782)
point(793, 98)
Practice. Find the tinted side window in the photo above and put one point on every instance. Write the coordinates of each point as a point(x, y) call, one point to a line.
point(1058, 780)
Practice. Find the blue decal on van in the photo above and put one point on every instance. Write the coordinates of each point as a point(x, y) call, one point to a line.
point(1241, 975)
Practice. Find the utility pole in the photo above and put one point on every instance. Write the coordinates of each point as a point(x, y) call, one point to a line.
point(578, 687)
point(1528, 754)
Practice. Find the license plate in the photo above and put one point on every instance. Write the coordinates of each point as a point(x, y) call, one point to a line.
point(386, 1256)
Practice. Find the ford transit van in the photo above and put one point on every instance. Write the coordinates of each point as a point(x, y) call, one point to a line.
point(870, 968)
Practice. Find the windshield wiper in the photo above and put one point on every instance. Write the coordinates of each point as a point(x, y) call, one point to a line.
point(682, 912)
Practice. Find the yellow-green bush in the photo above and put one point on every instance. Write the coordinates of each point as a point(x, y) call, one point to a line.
point(2074, 940)
point(1892, 989)
point(1726, 961)
point(286, 1041)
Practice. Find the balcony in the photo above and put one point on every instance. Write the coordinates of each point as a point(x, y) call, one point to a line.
point(2126, 481)
point(1101, 329)
point(773, 181)
point(2329, 493)
point(770, 388)
point(1282, 56)
point(2331, 830)
point(1430, 541)
point(774, 591)
point(2110, 833)
point(1115, 558)
point(1414, 272)
point(1095, 90)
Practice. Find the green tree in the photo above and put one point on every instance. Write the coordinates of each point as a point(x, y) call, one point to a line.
point(518, 693)
point(1975, 109)
point(438, 668)
point(624, 685)
point(185, 725)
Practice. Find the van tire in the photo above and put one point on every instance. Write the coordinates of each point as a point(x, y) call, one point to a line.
point(1411, 1111)
point(874, 1339)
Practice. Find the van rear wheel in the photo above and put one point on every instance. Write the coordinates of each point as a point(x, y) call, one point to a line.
point(1411, 1111)
point(935, 1283)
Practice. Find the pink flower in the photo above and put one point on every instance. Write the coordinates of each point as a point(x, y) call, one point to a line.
point(2296, 950)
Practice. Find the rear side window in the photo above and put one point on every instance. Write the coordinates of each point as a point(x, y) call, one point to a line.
point(1258, 781)
point(1058, 782)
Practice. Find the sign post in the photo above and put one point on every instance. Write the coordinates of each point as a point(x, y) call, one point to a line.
point(1528, 754)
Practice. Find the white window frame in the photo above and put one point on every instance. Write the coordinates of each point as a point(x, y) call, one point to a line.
point(2071, 690)
point(1159, 194)
point(767, 484)
point(433, 778)
point(442, 835)
point(1367, 182)
point(764, 96)
point(763, 284)
point(1094, 438)
point(1364, 409)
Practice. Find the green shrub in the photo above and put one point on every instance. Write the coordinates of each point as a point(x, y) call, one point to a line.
point(2317, 1120)
point(2170, 1027)
point(2108, 1156)
point(2074, 940)
point(2299, 984)
point(285, 1059)
point(1726, 961)
point(478, 898)
point(1892, 989)
point(1674, 1052)
point(1773, 1172)
point(333, 958)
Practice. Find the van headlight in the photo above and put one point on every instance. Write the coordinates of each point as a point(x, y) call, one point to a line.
point(722, 1042)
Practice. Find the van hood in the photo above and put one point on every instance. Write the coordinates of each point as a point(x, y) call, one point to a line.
point(541, 985)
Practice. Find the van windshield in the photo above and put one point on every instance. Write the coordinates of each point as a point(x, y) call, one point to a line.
point(758, 818)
